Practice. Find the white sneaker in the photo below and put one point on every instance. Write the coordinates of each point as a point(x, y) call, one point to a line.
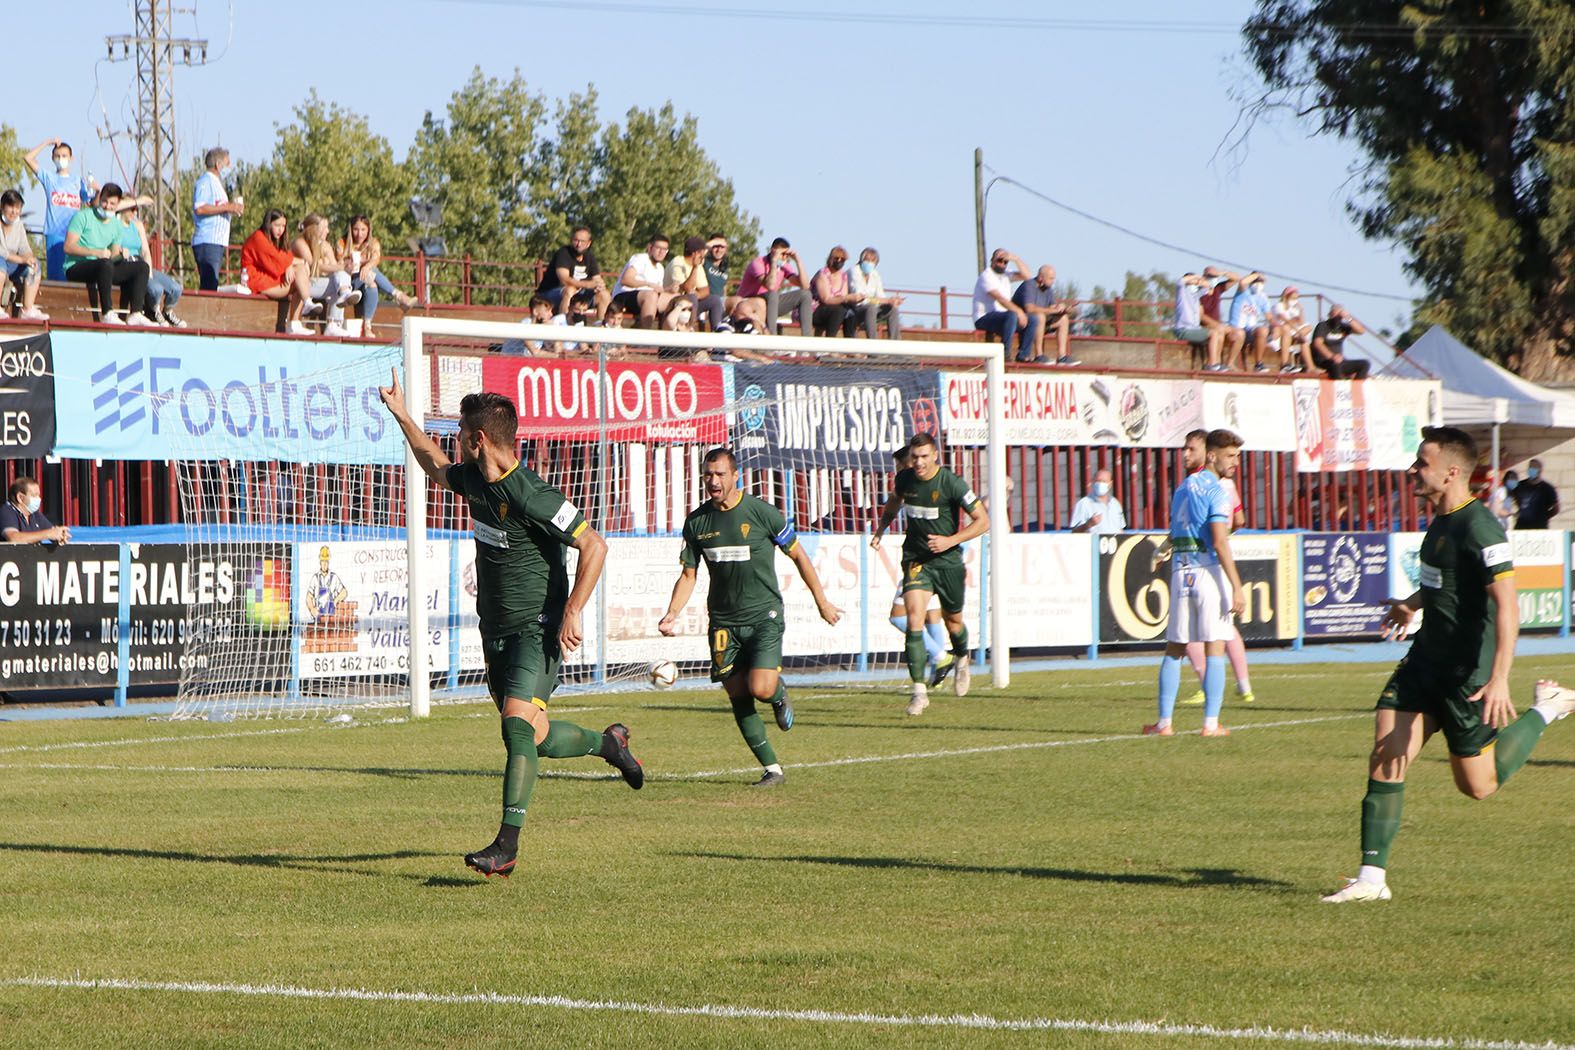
point(349, 299)
point(111, 317)
point(1356, 890)
point(962, 678)
point(297, 328)
point(173, 321)
point(311, 308)
point(921, 699)
point(32, 313)
point(1554, 698)
point(136, 320)
point(334, 328)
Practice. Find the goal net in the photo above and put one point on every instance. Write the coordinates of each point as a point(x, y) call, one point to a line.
point(361, 569)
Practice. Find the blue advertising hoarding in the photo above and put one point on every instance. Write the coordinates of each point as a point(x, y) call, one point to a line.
point(134, 395)
point(1345, 579)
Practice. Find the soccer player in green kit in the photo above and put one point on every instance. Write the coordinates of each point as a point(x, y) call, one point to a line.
point(737, 535)
point(1456, 675)
point(935, 499)
point(529, 615)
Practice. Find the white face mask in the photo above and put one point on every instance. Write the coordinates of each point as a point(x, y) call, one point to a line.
point(33, 503)
point(62, 164)
point(1101, 488)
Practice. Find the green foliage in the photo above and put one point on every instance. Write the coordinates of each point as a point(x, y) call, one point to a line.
point(1464, 113)
point(13, 172)
point(1145, 312)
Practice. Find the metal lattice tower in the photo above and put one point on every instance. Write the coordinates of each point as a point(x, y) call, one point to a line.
point(158, 159)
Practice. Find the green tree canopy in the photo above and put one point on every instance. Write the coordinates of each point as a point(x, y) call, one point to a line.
point(1464, 114)
point(12, 169)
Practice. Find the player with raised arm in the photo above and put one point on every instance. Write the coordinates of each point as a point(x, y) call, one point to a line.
point(932, 565)
point(1456, 675)
point(737, 535)
point(529, 615)
point(1205, 588)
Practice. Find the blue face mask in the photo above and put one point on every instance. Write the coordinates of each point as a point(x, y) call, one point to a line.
point(1510, 483)
point(101, 213)
point(1533, 474)
point(866, 267)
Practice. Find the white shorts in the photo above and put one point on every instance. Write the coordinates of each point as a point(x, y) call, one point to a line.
point(934, 606)
point(1199, 604)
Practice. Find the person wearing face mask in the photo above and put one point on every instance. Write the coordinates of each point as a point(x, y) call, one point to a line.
point(1249, 315)
point(211, 209)
point(873, 305)
point(64, 194)
point(1293, 333)
point(18, 264)
point(1538, 501)
point(22, 519)
point(96, 257)
point(1099, 511)
point(832, 298)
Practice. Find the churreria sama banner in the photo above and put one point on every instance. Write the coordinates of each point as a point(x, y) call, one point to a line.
point(1056, 408)
point(817, 416)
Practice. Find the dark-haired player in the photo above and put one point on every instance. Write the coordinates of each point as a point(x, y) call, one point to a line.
point(529, 615)
point(1456, 675)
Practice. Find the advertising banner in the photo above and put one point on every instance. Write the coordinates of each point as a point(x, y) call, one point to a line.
point(1058, 409)
point(27, 397)
point(132, 395)
point(1371, 425)
point(1405, 568)
point(1539, 576)
point(798, 416)
point(675, 402)
point(351, 604)
point(1049, 589)
point(1264, 415)
point(1135, 589)
point(1345, 579)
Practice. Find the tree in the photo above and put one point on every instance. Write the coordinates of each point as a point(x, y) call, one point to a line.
point(330, 162)
point(1146, 307)
point(12, 169)
point(1465, 115)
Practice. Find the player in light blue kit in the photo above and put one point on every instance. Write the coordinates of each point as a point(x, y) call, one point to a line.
point(1205, 588)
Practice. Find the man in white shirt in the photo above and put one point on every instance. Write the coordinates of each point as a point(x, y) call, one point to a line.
point(993, 309)
point(211, 210)
point(874, 305)
point(641, 287)
point(1099, 511)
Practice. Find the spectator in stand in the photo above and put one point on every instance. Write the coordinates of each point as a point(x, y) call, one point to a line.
point(686, 279)
point(64, 196)
point(20, 264)
point(273, 271)
point(873, 304)
point(1501, 499)
point(1249, 315)
point(833, 300)
point(1536, 500)
point(1037, 299)
point(716, 276)
point(1328, 345)
point(94, 256)
point(1293, 332)
point(330, 279)
point(1189, 326)
point(22, 519)
point(211, 209)
point(164, 291)
point(541, 312)
point(1220, 280)
point(642, 286)
point(362, 255)
point(1099, 511)
point(778, 281)
point(573, 269)
point(993, 309)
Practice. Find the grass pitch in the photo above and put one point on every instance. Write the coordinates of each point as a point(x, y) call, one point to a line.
point(1009, 870)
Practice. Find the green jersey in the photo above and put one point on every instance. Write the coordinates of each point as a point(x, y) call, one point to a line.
point(933, 508)
point(521, 525)
point(1463, 552)
point(739, 547)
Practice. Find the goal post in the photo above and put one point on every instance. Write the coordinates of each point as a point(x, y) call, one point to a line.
point(421, 334)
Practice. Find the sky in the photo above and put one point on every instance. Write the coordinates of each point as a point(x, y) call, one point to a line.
point(834, 130)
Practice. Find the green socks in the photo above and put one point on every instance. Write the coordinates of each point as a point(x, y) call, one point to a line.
point(519, 770)
point(917, 656)
point(1380, 821)
point(754, 729)
point(567, 740)
point(1514, 743)
point(776, 697)
point(960, 643)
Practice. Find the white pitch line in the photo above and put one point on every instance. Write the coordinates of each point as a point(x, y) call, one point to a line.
point(1331, 1037)
point(569, 774)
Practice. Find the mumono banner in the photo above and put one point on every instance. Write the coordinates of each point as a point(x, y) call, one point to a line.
point(1135, 587)
point(1345, 581)
point(817, 416)
point(132, 395)
point(680, 402)
point(1053, 408)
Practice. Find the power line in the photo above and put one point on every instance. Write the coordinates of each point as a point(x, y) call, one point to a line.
point(1194, 252)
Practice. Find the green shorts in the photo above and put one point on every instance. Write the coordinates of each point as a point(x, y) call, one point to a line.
point(1444, 697)
point(944, 579)
point(757, 647)
point(523, 665)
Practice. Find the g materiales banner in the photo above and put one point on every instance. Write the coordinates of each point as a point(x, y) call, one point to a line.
point(678, 402)
point(820, 416)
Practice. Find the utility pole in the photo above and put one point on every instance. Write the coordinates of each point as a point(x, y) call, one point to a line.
point(158, 159)
point(978, 207)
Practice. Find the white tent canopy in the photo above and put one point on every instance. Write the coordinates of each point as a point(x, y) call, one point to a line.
point(1478, 391)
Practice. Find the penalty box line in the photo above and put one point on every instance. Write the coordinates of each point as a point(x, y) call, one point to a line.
point(709, 774)
point(1327, 1037)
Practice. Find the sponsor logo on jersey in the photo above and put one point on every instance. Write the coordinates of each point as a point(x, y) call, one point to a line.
point(923, 513)
point(1431, 576)
point(728, 553)
point(492, 537)
point(565, 515)
point(1497, 554)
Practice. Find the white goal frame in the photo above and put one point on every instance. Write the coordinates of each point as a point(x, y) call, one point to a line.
point(417, 328)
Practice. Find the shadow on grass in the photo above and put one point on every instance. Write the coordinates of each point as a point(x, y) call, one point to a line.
point(1556, 763)
point(1191, 878)
point(335, 864)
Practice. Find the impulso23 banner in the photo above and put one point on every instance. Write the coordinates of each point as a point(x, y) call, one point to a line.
point(796, 416)
point(1135, 591)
